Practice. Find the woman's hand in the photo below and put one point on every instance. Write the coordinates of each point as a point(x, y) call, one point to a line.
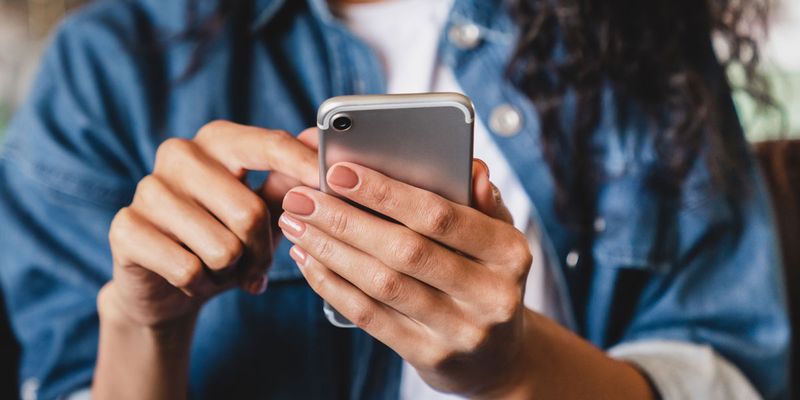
point(194, 228)
point(444, 287)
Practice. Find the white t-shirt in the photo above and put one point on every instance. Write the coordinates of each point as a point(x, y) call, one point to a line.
point(408, 52)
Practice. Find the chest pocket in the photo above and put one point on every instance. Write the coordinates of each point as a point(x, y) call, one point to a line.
point(632, 228)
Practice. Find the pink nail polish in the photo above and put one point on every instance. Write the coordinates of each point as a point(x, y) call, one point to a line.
point(484, 165)
point(298, 255)
point(342, 177)
point(298, 203)
point(291, 225)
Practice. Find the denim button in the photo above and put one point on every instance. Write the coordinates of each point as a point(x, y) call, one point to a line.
point(599, 224)
point(505, 120)
point(465, 36)
point(572, 259)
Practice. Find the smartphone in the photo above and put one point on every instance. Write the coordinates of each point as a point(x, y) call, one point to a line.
point(422, 139)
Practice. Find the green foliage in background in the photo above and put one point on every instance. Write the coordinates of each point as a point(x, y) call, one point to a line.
point(764, 124)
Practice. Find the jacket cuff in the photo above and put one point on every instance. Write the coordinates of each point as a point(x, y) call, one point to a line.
point(682, 370)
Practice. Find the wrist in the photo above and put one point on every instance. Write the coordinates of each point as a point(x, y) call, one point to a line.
point(518, 382)
point(551, 357)
point(138, 360)
point(169, 336)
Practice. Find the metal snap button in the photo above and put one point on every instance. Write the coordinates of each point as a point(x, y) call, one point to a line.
point(505, 120)
point(572, 259)
point(465, 36)
point(599, 224)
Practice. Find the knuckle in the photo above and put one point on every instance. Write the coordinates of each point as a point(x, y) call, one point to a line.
point(281, 134)
point(388, 286)
point(362, 314)
point(339, 222)
point(121, 226)
point(438, 358)
point(148, 190)
point(211, 128)
point(187, 270)
point(413, 251)
point(273, 139)
point(441, 218)
point(316, 280)
point(325, 249)
point(520, 253)
point(171, 149)
point(507, 305)
point(251, 215)
point(226, 252)
point(381, 194)
point(474, 338)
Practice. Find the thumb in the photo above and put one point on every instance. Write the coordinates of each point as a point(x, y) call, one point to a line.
point(486, 197)
point(277, 184)
point(310, 137)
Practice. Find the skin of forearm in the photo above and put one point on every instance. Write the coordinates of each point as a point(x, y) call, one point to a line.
point(557, 364)
point(140, 362)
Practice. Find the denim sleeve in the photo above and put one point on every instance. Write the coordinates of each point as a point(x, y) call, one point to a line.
point(64, 172)
point(705, 269)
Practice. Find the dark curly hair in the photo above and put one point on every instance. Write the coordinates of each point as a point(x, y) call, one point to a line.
point(655, 55)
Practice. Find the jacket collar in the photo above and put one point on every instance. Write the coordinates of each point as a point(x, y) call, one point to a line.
point(265, 11)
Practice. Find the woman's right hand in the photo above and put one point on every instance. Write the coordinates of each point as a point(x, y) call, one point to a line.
point(195, 229)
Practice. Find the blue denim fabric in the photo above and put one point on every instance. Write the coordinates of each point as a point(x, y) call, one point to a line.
point(701, 268)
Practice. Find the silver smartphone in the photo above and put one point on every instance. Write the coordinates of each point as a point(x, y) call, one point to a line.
point(422, 139)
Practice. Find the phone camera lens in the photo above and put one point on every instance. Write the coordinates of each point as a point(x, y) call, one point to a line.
point(342, 122)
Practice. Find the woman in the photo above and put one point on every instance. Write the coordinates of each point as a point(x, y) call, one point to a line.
point(607, 127)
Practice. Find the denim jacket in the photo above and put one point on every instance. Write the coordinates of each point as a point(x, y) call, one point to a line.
point(702, 267)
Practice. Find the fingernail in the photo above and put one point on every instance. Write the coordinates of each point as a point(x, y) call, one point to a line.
point(298, 203)
point(343, 177)
point(484, 165)
point(291, 225)
point(298, 255)
point(259, 285)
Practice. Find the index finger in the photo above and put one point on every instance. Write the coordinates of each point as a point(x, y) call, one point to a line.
point(457, 226)
point(241, 148)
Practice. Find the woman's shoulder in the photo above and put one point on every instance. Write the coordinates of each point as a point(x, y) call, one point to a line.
point(125, 21)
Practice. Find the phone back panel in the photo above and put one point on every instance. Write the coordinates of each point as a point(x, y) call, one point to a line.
point(424, 140)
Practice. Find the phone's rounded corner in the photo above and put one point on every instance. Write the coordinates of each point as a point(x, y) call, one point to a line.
point(463, 103)
point(333, 317)
point(467, 102)
point(469, 113)
point(325, 111)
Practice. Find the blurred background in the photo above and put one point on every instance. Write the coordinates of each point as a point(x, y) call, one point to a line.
point(24, 29)
point(25, 26)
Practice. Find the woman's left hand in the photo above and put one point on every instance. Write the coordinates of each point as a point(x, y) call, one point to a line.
point(443, 287)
